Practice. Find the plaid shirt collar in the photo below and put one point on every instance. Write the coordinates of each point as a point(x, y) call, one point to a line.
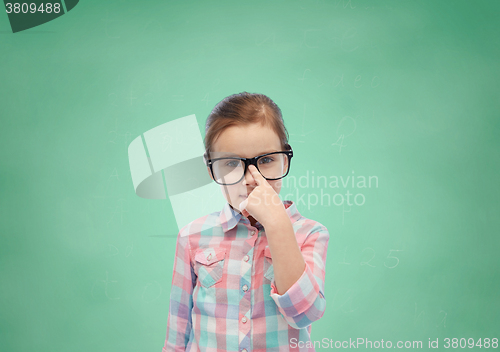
point(229, 217)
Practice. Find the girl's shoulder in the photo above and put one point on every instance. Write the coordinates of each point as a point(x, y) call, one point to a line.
point(204, 225)
point(305, 227)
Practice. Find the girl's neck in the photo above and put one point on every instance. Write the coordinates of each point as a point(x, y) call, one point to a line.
point(250, 218)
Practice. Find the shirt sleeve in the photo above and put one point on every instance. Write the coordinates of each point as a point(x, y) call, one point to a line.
point(304, 302)
point(181, 298)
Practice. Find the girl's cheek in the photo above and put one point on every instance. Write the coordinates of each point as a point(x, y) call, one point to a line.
point(235, 193)
point(276, 185)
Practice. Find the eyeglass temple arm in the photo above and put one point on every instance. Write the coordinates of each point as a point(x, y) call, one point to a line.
point(205, 158)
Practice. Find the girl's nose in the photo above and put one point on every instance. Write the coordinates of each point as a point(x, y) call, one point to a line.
point(249, 180)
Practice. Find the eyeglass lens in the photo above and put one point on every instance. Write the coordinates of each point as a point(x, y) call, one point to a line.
point(229, 171)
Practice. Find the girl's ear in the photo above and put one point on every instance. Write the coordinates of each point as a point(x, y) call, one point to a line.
point(209, 173)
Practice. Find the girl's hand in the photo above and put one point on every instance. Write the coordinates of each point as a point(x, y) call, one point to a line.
point(263, 203)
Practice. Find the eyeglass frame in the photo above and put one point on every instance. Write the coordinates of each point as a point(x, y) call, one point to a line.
point(251, 161)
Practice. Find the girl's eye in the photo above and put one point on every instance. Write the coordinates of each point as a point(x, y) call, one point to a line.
point(232, 163)
point(265, 160)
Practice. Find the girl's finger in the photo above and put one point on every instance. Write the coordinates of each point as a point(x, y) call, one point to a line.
point(243, 205)
point(256, 175)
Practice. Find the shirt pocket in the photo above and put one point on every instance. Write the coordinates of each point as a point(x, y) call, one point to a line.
point(210, 265)
point(268, 265)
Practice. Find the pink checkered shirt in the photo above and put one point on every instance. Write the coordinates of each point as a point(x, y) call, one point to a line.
point(223, 296)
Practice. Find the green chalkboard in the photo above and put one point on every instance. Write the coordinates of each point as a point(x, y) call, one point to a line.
point(393, 113)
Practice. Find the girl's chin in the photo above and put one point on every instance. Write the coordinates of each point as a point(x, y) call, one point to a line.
point(235, 207)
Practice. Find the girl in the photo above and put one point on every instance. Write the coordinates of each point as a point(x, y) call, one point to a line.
point(250, 277)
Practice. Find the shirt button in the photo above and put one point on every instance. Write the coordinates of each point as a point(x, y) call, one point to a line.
point(209, 256)
point(244, 320)
point(253, 232)
point(245, 288)
point(245, 258)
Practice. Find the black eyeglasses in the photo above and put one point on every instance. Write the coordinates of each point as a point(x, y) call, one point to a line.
point(231, 170)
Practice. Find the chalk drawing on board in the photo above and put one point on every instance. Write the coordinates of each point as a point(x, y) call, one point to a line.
point(417, 317)
point(345, 211)
point(344, 262)
point(305, 37)
point(118, 210)
point(304, 75)
point(444, 319)
point(114, 249)
point(302, 134)
point(368, 262)
point(272, 35)
point(397, 259)
point(106, 282)
point(342, 123)
point(147, 289)
point(114, 132)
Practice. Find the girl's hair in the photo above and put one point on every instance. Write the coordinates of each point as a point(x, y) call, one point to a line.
point(243, 109)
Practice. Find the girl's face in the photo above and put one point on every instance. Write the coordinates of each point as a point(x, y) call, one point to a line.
point(245, 141)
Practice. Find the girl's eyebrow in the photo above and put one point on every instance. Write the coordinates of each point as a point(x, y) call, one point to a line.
point(221, 154)
point(236, 155)
point(271, 151)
